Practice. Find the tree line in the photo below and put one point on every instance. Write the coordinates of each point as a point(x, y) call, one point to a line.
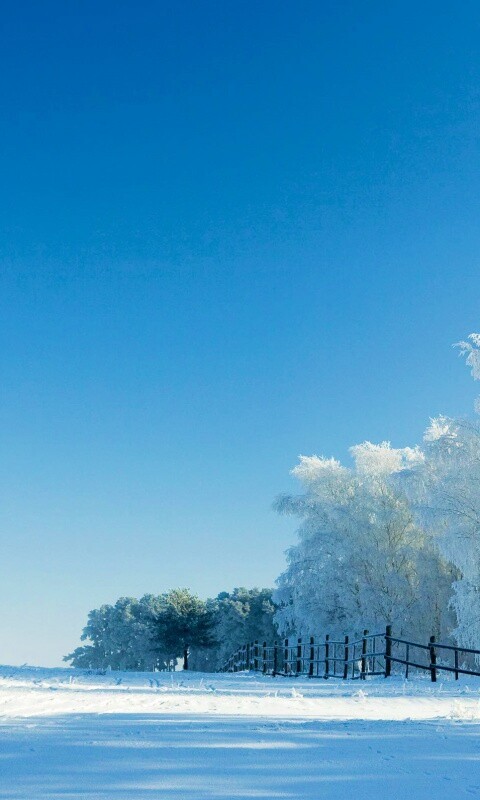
point(157, 632)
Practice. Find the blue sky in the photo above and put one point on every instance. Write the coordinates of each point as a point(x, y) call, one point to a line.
point(231, 233)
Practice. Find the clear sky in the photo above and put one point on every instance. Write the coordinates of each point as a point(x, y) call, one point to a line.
point(231, 233)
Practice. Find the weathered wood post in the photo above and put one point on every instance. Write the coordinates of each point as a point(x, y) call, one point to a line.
point(456, 664)
point(299, 657)
point(345, 659)
point(312, 657)
point(264, 658)
point(255, 656)
point(285, 657)
point(275, 658)
point(388, 651)
point(433, 659)
point(327, 656)
point(364, 654)
point(248, 656)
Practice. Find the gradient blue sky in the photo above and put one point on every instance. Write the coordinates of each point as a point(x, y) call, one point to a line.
point(231, 233)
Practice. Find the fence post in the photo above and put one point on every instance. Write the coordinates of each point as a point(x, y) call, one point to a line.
point(275, 658)
point(345, 660)
point(255, 656)
point(299, 657)
point(388, 651)
point(327, 656)
point(248, 655)
point(312, 657)
point(456, 665)
point(433, 659)
point(285, 657)
point(364, 652)
point(264, 658)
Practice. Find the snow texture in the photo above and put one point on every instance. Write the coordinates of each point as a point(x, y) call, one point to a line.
point(135, 736)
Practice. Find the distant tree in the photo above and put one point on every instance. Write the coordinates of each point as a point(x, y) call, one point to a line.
point(122, 636)
point(244, 615)
point(153, 632)
point(186, 622)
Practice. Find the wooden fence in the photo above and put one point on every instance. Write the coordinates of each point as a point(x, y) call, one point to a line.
point(372, 654)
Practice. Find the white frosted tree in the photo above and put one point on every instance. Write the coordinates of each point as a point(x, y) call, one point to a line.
point(445, 490)
point(361, 560)
point(123, 636)
point(450, 507)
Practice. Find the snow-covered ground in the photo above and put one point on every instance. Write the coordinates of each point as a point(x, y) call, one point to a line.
point(122, 736)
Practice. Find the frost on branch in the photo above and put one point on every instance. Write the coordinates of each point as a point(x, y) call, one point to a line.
point(312, 468)
point(383, 459)
point(471, 351)
point(441, 429)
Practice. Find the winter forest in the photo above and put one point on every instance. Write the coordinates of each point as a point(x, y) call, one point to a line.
point(395, 538)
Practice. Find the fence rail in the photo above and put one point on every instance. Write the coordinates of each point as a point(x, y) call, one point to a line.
point(372, 654)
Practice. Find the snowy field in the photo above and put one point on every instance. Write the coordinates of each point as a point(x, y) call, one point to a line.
point(123, 736)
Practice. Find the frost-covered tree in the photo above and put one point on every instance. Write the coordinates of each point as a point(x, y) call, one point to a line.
point(148, 634)
point(361, 560)
point(445, 490)
point(123, 636)
point(446, 494)
point(186, 622)
point(244, 615)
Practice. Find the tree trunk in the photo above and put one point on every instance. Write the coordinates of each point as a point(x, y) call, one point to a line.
point(185, 658)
